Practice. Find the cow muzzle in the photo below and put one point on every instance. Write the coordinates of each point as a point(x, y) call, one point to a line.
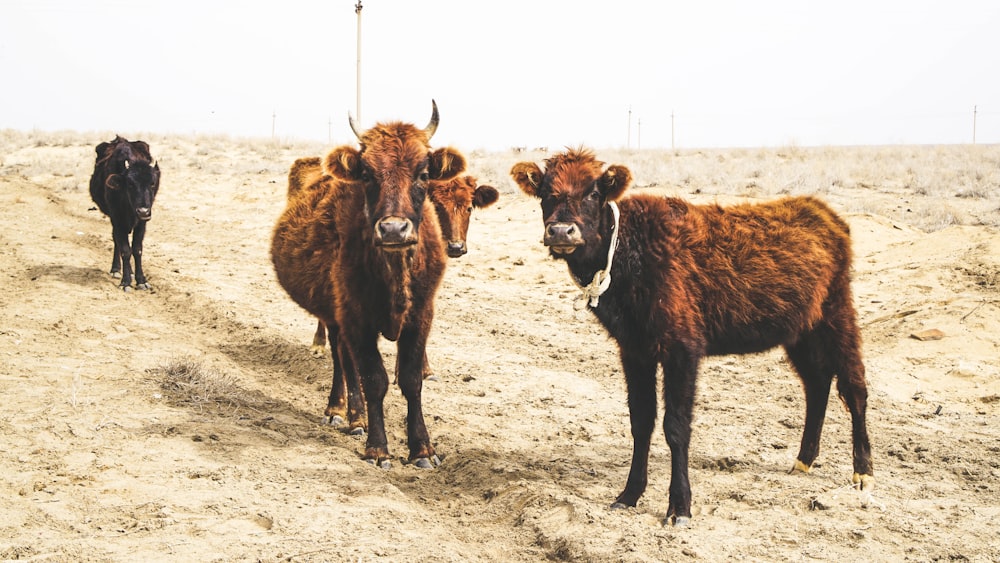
point(395, 232)
point(456, 248)
point(144, 213)
point(562, 238)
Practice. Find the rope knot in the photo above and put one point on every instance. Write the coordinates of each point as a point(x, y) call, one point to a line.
point(591, 293)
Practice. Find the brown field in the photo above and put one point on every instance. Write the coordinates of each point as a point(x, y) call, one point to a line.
point(183, 424)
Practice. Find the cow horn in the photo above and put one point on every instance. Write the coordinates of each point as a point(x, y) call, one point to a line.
point(126, 165)
point(433, 125)
point(354, 126)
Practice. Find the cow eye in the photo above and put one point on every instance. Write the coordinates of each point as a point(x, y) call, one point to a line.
point(594, 195)
point(423, 176)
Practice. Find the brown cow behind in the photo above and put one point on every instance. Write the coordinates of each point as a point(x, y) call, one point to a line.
point(363, 253)
point(688, 281)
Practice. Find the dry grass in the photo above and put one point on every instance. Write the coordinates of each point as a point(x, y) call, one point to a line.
point(186, 382)
point(916, 185)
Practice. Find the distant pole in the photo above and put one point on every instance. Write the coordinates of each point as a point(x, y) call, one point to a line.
point(628, 140)
point(671, 129)
point(357, 10)
point(638, 134)
point(974, 111)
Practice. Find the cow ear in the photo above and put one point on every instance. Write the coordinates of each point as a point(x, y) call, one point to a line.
point(446, 163)
point(528, 177)
point(113, 182)
point(485, 196)
point(344, 163)
point(614, 181)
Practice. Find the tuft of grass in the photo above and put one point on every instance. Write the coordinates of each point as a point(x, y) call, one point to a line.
point(186, 382)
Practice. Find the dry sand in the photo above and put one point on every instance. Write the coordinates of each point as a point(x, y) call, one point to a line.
point(183, 423)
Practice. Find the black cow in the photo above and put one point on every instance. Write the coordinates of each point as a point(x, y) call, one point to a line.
point(123, 186)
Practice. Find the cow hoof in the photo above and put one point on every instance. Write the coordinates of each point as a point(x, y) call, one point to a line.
point(126, 288)
point(335, 420)
point(431, 377)
point(359, 431)
point(427, 463)
point(619, 506)
point(384, 464)
point(115, 274)
point(863, 482)
point(800, 467)
point(142, 286)
point(678, 521)
point(317, 351)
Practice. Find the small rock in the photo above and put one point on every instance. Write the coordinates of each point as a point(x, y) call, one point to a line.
point(929, 334)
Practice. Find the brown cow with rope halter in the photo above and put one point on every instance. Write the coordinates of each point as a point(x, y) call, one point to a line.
point(674, 282)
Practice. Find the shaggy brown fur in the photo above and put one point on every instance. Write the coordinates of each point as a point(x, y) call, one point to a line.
point(690, 281)
point(360, 248)
point(453, 201)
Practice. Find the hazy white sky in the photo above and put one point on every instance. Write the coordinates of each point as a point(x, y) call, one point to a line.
point(511, 73)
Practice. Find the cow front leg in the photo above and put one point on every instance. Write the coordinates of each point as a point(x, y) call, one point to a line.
point(374, 383)
point(116, 258)
point(640, 378)
point(411, 356)
point(138, 235)
point(123, 254)
point(679, 374)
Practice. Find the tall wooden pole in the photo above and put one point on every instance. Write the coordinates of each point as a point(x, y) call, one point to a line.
point(628, 141)
point(357, 10)
point(974, 111)
point(671, 129)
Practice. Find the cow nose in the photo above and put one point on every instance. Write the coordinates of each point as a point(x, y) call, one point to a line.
point(456, 249)
point(562, 234)
point(395, 231)
point(144, 213)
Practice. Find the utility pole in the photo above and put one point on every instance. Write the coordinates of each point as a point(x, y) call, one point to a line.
point(357, 10)
point(974, 111)
point(628, 140)
point(671, 129)
point(638, 134)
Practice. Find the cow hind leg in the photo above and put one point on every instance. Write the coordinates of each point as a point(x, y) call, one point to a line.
point(853, 390)
point(346, 400)
point(318, 348)
point(810, 360)
point(833, 348)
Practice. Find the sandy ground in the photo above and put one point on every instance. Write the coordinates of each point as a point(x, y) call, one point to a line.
point(183, 423)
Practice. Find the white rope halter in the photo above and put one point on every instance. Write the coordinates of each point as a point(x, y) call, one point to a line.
point(602, 278)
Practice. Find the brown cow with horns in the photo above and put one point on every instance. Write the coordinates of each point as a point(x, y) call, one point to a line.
point(674, 282)
point(454, 200)
point(365, 256)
